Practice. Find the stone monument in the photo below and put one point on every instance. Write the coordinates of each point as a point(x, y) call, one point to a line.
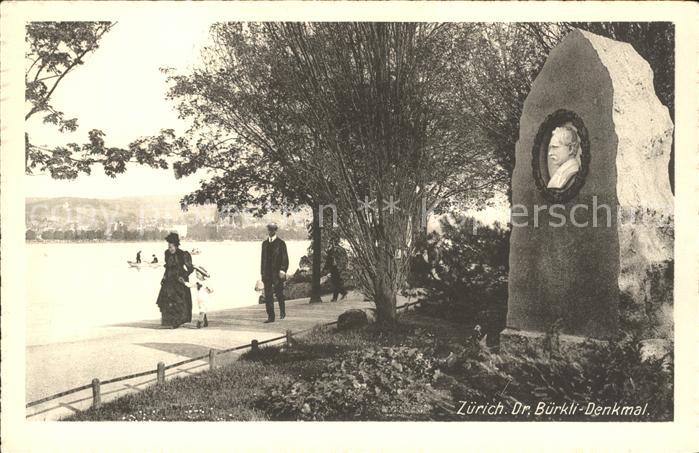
point(592, 237)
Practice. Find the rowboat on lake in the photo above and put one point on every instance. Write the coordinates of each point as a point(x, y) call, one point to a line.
point(142, 264)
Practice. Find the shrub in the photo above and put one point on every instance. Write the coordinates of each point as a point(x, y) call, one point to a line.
point(373, 384)
point(463, 269)
point(606, 373)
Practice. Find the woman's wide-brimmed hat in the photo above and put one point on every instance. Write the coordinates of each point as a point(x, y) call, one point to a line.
point(173, 238)
point(203, 271)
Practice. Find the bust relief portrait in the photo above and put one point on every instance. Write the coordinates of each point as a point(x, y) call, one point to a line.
point(561, 156)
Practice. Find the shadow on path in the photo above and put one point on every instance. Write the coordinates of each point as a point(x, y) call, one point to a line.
point(300, 315)
point(183, 349)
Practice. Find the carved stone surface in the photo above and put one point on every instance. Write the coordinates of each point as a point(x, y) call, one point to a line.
point(609, 265)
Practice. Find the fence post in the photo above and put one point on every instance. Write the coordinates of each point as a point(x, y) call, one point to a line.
point(212, 359)
point(288, 337)
point(254, 348)
point(96, 393)
point(161, 373)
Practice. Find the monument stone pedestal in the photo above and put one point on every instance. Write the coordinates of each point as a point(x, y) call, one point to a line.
point(595, 255)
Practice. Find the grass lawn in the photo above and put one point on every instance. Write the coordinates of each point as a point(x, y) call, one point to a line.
point(420, 370)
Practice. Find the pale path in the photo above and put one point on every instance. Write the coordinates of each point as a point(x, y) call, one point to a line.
point(112, 351)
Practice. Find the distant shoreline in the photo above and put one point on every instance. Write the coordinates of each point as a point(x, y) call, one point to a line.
point(184, 241)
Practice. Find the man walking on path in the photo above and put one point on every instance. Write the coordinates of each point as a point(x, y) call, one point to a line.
point(331, 266)
point(273, 267)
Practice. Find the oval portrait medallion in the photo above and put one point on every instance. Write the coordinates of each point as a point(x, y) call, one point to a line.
point(561, 156)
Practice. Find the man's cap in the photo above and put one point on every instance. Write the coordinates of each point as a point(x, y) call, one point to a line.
point(272, 226)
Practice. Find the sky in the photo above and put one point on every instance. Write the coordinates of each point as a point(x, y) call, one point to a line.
point(121, 91)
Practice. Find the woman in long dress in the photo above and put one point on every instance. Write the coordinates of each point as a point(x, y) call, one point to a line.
point(175, 298)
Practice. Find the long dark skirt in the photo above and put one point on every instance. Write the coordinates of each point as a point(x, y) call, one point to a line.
point(175, 303)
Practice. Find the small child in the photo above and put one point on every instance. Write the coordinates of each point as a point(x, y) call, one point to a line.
point(260, 288)
point(203, 290)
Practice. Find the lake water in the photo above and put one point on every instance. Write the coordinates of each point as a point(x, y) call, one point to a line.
point(75, 287)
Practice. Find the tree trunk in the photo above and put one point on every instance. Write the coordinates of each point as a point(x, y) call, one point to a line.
point(385, 299)
point(317, 246)
point(385, 307)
